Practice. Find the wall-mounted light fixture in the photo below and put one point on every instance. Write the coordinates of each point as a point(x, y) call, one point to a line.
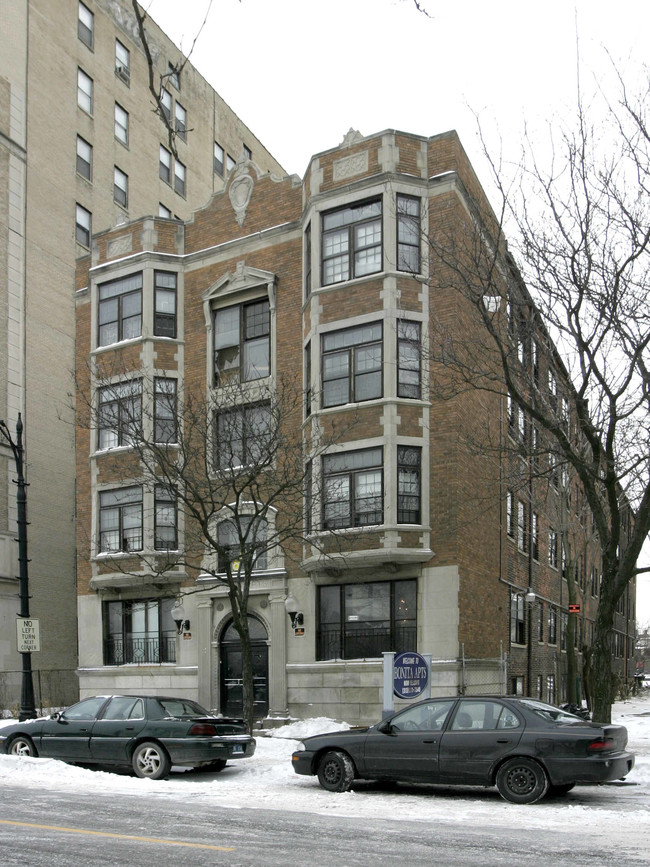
point(291, 607)
point(178, 616)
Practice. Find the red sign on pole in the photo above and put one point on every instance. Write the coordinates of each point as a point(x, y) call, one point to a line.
point(574, 608)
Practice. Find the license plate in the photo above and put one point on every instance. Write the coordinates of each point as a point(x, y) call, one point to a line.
point(237, 749)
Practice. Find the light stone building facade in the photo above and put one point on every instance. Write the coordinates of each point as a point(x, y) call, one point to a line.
point(81, 150)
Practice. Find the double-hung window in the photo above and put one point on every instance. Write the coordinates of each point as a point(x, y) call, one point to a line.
point(353, 493)
point(360, 621)
point(165, 536)
point(120, 520)
point(408, 484)
point(83, 221)
point(84, 91)
point(351, 242)
point(120, 309)
point(552, 548)
point(164, 411)
point(408, 359)
point(166, 102)
point(122, 62)
point(119, 414)
point(219, 159)
point(242, 345)
point(522, 526)
point(84, 158)
point(517, 619)
point(121, 127)
point(139, 631)
point(179, 177)
point(86, 25)
point(352, 364)
point(180, 120)
point(165, 165)
point(408, 234)
point(120, 187)
point(164, 322)
point(243, 436)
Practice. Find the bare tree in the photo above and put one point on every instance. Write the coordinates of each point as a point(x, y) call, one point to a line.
point(579, 311)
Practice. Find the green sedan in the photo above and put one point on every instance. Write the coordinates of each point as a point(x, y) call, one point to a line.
point(149, 733)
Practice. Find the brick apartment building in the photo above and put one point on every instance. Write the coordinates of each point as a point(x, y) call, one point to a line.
point(81, 150)
point(326, 281)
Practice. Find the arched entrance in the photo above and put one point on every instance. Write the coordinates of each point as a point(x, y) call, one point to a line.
point(230, 674)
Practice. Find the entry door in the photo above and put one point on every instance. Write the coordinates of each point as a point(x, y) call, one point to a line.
point(231, 681)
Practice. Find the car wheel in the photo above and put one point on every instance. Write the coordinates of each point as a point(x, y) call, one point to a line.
point(151, 761)
point(558, 791)
point(522, 781)
point(335, 772)
point(21, 745)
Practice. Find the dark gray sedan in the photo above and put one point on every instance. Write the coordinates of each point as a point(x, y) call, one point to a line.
point(149, 733)
point(525, 748)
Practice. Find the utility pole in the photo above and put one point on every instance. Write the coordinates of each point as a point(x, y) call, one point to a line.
point(27, 704)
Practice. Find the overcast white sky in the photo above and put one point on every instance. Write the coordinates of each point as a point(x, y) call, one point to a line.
point(300, 73)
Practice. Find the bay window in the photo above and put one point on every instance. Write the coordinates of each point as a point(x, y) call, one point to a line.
point(351, 242)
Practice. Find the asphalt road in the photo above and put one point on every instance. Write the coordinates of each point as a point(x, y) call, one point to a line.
point(62, 829)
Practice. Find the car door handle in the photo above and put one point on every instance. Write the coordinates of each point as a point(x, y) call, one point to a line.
point(434, 741)
point(503, 740)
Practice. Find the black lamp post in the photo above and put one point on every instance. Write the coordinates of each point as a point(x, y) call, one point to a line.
point(27, 704)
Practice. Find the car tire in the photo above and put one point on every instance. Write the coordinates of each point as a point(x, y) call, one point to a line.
point(150, 761)
point(21, 745)
point(522, 781)
point(336, 771)
point(558, 791)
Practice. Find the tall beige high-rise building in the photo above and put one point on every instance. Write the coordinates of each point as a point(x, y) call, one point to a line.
point(81, 151)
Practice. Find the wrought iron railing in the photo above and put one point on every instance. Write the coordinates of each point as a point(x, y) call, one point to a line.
point(120, 651)
point(351, 642)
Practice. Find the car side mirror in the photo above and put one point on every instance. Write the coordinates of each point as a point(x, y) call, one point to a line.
point(385, 727)
point(55, 715)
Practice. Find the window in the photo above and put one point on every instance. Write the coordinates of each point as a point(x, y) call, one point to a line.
point(408, 234)
point(166, 102)
point(351, 242)
point(120, 520)
point(535, 539)
point(248, 153)
point(564, 622)
point(164, 211)
point(121, 124)
point(550, 688)
point(540, 622)
point(84, 91)
point(552, 625)
point(408, 484)
point(218, 159)
point(308, 261)
point(165, 411)
point(309, 499)
point(179, 177)
point(165, 537)
point(230, 163)
point(360, 621)
point(353, 489)
point(242, 436)
point(352, 364)
point(308, 380)
point(241, 540)
point(84, 158)
point(408, 359)
point(516, 685)
point(242, 346)
point(85, 25)
point(139, 631)
point(119, 414)
point(164, 321)
point(120, 309)
point(120, 187)
point(517, 619)
point(122, 62)
point(536, 363)
point(180, 120)
point(173, 75)
point(552, 389)
point(83, 220)
point(165, 165)
point(522, 526)
point(552, 548)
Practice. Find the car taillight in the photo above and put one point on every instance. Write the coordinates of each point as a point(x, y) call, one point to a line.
point(600, 745)
point(202, 729)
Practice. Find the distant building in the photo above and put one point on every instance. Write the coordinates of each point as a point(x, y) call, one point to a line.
point(442, 553)
point(81, 150)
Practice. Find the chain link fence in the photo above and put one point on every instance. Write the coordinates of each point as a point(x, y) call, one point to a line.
point(53, 688)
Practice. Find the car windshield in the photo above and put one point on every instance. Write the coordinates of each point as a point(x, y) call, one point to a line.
point(182, 707)
point(549, 712)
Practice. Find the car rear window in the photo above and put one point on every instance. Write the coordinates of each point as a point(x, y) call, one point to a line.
point(549, 712)
point(180, 707)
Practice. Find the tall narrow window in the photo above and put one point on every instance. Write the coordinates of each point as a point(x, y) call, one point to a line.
point(164, 323)
point(166, 102)
point(408, 234)
point(408, 359)
point(219, 158)
point(83, 220)
point(84, 158)
point(119, 414)
point(308, 380)
point(351, 242)
point(248, 153)
point(517, 619)
point(165, 165)
point(308, 261)
point(510, 514)
point(122, 62)
point(231, 162)
point(352, 368)
point(86, 25)
point(120, 187)
point(164, 411)
point(179, 177)
point(84, 91)
point(120, 309)
point(121, 127)
point(242, 342)
point(120, 520)
point(535, 539)
point(552, 548)
point(165, 535)
point(522, 526)
point(408, 484)
point(180, 121)
point(164, 211)
point(353, 489)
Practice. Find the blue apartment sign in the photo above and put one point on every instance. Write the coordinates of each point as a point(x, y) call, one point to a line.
point(410, 674)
